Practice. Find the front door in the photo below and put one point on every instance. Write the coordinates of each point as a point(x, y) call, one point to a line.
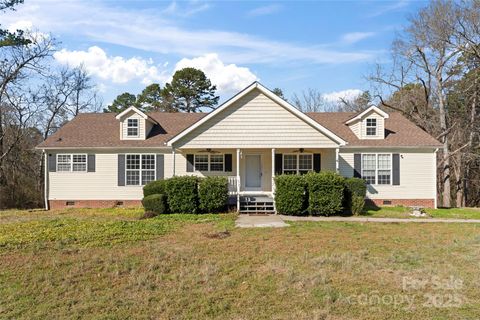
point(253, 169)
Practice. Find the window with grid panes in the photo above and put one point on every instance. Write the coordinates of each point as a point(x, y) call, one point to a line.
point(369, 167)
point(371, 127)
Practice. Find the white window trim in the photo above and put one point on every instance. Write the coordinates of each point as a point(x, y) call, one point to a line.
point(367, 126)
point(376, 168)
point(208, 162)
point(136, 127)
point(71, 162)
point(298, 161)
point(140, 170)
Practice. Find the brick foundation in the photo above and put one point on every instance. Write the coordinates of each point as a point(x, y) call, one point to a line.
point(62, 204)
point(426, 203)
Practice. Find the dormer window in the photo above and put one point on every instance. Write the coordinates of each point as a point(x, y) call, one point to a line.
point(132, 127)
point(371, 127)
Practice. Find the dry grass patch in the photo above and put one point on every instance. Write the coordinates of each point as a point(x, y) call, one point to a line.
point(306, 271)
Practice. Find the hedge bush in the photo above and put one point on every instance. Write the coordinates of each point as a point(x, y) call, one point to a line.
point(290, 194)
point(155, 187)
point(213, 194)
point(156, 203)
point(325, 193)
point(182, 194)
point(355, 192)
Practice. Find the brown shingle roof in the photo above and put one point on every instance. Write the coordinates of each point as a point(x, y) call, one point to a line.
point(97, 130)
point(399, 131)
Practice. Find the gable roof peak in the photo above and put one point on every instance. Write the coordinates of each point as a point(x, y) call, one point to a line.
point(367, 111)
point(137, 111)
point(267, 92)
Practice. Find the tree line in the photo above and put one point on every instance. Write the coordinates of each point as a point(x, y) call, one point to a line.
point(433, 79)
point(189, 91)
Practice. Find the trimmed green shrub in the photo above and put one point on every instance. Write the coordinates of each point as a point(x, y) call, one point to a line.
point(213, 194)
point(290, 194)
point(182, 194)
point(325, 193)
point(355, 192)
point(156, 203)
point(155, 187)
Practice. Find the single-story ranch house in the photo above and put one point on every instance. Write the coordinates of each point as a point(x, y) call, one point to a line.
point(104, 159)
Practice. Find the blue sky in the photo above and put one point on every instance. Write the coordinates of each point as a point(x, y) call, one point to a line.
point(294, 45)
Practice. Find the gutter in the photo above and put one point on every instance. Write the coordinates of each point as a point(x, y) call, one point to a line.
point(390, 147)
point(101, 148)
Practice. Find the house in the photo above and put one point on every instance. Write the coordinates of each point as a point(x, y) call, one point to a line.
point(103, 160)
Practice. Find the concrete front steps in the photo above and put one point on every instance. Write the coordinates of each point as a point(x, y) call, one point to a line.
point(256, 204)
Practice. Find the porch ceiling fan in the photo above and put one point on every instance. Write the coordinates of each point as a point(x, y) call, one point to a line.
point(208, 150)
point(302, 150)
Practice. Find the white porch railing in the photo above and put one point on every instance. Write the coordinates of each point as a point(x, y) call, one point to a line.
point(232, 185)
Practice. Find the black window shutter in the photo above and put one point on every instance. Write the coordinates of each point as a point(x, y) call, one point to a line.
point(121, 169)
point(317, 162)
point(278, 163)
point(228, 163)
point(160, 166)
point(52, 162)
point(91, 163)
point(190, 163)
point(357, 165)
point(396, 169)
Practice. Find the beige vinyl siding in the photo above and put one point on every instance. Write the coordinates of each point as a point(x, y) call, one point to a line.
point(417, 174)
point(356, 127)
point(327, 163)
point(380, 126)
point(255, 121)
point(98, 185)
point(141, 126)
point(181, 164)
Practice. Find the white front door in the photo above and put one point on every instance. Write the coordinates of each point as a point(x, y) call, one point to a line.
point(253, 169)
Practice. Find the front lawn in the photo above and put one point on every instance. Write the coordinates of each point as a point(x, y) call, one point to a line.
point(404, 212)
point(107, 264)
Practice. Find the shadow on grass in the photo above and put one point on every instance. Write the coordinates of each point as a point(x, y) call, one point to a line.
point(368, 210)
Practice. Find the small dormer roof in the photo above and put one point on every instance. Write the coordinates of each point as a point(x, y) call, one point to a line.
point(367, 111)
point(137, 111)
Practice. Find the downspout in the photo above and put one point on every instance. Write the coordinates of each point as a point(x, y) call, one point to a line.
point(174, 156)
point(273, 180)
point(337, 160)
point(435, 192)
point(45, 179)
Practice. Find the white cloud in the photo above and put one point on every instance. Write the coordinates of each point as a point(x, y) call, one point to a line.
point(20, 25)
point(150, 31)
point(116, 69)
point(354, 37)
point(397, 5)
point(336, 96)
point(28, 28)
point(265, 10)
point(228, 78)
point(188, 9)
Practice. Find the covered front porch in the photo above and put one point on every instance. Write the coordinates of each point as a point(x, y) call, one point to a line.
point(251, 171)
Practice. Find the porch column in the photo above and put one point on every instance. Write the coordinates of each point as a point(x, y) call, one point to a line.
point(238, 180)
point(337, 163)
point(273, 179)
point(273, 170)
